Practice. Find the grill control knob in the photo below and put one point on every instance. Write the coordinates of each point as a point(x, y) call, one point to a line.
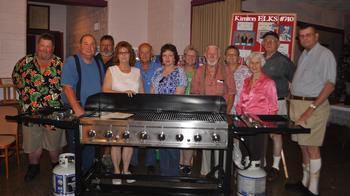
point(179, 137)
point(161, 136)
point(197, 138)
point(109, 134)
point(215, 137)
point(143, 135)
point(126, 135)
point(92, 133)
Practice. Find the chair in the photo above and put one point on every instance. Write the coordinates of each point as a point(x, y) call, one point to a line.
point(8, 91)
point(9, 139)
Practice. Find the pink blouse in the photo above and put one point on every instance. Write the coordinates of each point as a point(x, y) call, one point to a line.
point(261, 99)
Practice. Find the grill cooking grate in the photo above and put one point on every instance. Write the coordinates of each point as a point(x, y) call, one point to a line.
point(178, 116)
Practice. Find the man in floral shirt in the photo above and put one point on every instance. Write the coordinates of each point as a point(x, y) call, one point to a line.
point(38, 81)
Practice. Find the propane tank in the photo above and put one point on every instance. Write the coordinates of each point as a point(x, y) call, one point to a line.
point(252, 181)
point(64, 176)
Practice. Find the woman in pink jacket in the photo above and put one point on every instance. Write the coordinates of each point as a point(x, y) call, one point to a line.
point(258, 96)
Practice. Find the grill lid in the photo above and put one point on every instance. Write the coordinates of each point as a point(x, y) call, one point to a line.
point(120, 102)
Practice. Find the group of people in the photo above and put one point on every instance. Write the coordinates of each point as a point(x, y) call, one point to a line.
point(262, 86)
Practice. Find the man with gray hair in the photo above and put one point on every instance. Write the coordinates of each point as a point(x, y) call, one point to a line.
point(212, 79)
point(106, 51)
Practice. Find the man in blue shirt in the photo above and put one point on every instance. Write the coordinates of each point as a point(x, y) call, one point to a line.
point(78, 87)
point(313, 82)
point(147, 68)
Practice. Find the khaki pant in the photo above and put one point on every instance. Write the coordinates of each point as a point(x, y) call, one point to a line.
point(317, 122)
point(35, 137)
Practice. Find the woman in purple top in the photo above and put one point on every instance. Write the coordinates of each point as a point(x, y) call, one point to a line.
point(169, 79)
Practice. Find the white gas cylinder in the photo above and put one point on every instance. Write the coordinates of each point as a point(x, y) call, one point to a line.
point(252, 181)
point(64, 176)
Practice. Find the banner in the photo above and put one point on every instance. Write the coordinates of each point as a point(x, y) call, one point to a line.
point(247, 30)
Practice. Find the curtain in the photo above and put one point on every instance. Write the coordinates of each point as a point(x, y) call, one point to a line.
point(211, 24)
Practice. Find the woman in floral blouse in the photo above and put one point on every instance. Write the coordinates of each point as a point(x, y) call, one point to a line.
point(169, 79)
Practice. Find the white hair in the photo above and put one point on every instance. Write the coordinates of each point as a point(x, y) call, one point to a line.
point(258, 56)
point(212, 46)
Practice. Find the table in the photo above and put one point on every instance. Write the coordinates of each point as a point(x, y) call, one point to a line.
point(340, 114)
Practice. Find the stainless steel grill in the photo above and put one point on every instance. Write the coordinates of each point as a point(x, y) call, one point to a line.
point(158, 121)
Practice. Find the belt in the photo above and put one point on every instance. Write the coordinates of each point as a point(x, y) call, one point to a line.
point(281, 98)
point(303, 98)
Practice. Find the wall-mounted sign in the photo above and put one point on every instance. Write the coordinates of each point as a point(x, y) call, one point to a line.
point(247, 30)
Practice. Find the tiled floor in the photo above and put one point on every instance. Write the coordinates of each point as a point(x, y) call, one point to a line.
point(335, 172)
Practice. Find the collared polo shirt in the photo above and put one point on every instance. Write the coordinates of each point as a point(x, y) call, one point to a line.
point(315, 68)
point(147, 75)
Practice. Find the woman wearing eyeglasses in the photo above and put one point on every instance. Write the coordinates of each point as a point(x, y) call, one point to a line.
point(123, 78)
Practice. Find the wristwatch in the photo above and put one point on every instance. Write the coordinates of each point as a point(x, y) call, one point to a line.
point(313, 106)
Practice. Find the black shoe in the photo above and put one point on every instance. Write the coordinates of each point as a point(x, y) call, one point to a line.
point(296, 187)
point(273, 174)
point(150, 169)
point(32, 171)
point(309, 193)
point(187, 170)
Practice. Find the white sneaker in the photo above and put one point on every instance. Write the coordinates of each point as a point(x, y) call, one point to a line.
point(129, 180)
point(116, 181)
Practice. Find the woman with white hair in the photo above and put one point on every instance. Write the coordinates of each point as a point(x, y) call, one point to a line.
point(258, 96)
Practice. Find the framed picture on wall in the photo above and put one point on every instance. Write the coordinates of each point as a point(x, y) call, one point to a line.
point(38, 17)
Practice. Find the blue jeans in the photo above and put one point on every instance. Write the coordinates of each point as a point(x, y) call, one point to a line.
point(169, 161)
point(150, 159)
point(87, 152)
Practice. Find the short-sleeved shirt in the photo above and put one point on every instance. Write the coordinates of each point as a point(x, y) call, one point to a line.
point(147, 75)
point(38, 90)
point(281, 69)
point(125, 81)
point(90, 77)
point(168, 84)
point(222, 84)
point(315, 68)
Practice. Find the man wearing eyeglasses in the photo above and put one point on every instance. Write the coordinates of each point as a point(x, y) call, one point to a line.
point(313, 82)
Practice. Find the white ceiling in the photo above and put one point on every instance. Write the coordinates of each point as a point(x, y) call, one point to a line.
point(337, 5)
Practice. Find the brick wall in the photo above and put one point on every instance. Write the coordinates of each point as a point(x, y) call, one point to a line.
point(82, 20)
